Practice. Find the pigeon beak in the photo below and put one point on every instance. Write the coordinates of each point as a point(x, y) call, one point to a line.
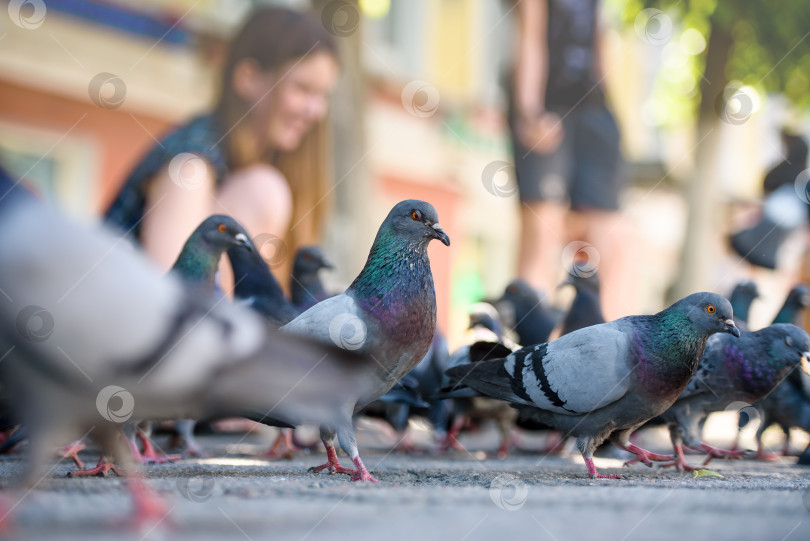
point(326, 264)
point(806, 363)
point(439, 233)
point(242, 240)
point(731, 328)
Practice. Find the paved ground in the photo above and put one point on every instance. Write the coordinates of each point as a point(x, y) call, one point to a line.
point(454, 497)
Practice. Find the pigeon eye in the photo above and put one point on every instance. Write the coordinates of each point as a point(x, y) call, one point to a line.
point(711, 309)
point(416, 216)
point(222, 228)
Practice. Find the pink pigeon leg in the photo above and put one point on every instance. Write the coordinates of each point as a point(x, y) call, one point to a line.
point(102, 469)
point(71, 451)
point(593, 474)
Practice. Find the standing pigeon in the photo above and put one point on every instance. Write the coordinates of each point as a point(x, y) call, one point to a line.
point(307, 289)
point(199, 258)
point(606, 380)
point(586, 309)
point(197, 264)
point(531, 318)
point(388, 312)
point(734, 370)
point(485, 326)
point(256, 286)
point(741, 298)
point(786, 404)
point(96, 334)
point(798, 299)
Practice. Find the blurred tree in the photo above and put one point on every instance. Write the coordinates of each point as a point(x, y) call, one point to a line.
point(753, 47)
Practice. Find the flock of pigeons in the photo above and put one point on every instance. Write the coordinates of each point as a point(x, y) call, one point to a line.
point(96, 342)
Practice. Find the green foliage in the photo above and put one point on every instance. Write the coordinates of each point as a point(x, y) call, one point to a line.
point(770, 49)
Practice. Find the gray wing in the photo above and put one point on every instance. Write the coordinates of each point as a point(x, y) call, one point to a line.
point(336, 320)
point(578, 373)
point(89, 312)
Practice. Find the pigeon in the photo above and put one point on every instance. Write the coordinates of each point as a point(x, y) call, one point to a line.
point(415, 394)
point(485, 326)
point(307, 289)
point(388, 312)
point(96, 334)
point(586, 309)
point(255, 286)
point(786, 401)
point(734, 371)
point(741, 298)
point(530, 317)
point(197, 264)
point(199, 258)
point(787, 406)
point(798, 299)
point(606, 380)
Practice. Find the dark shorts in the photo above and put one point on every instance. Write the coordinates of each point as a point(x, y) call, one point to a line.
point(584, 171)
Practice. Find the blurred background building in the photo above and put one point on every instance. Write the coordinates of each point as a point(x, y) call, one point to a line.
point(86, 87)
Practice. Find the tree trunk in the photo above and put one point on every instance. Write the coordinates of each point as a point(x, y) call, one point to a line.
point(347, 241)
point(705, 236)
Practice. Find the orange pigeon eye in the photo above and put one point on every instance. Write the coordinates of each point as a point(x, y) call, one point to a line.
point(222, 228)
point(711, 309)
point(416, 215)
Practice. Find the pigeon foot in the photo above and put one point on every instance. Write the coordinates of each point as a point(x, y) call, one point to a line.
point(593, 474)
point(644, 456)
point(102, 469)
point(71, 451)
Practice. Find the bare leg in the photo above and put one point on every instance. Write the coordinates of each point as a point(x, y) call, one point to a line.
point(541, 242)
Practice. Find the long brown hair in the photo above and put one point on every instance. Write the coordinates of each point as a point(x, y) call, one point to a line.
point(274, 36)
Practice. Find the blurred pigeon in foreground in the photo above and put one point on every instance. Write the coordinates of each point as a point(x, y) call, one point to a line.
point(733, 371)
point(388, 312)
point(307, 289)
point(197, 264)
point(95, 335)
point(606, 380)
point(530, 317)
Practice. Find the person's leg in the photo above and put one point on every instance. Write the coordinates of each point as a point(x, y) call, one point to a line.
point(543, 185)
point(596, 186)
point(541, 241)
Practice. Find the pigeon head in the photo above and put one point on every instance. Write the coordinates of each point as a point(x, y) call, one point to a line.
point(709, 312)
point(790, 344)
point(800, 296)
point(222, 232)
point(484, 315)
point(582, 277)
point(415, 220)
point(741, 298)
point(310, 259)
point(519, 293)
